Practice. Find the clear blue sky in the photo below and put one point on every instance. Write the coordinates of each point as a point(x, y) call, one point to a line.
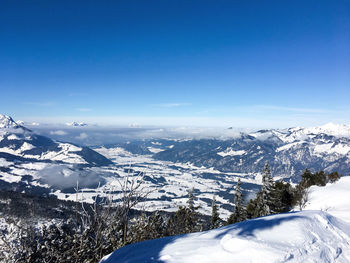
point(209, 63)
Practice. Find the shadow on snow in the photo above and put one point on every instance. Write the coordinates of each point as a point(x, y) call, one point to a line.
point(150, 251)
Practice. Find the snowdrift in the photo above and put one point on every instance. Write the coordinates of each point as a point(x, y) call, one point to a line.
point(306, 236)
point(333, 198)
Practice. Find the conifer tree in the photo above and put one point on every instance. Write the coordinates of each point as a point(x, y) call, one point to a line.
point(266, 196)
point(215, 219)
point(186, 219)
point(239, 214)
point(190, 201)
point(147, 227)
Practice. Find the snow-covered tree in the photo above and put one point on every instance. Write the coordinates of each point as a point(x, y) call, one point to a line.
point(190, 201)
point(186, 219)
point(239, 214)
point(215, 218)
point(266, 197)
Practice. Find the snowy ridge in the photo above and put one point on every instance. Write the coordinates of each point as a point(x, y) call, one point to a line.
point(317, 148)
point(7, 122)
point(307, 236)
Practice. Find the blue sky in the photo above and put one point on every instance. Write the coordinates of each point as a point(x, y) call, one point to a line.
point(162, 62)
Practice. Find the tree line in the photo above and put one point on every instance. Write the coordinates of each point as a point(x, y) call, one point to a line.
point(277, 197)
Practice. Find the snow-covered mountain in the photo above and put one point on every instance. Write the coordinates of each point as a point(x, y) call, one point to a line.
point(289, 151)
point(6, 122)
point(20, 143)
point(36, 164)
point(307, 236)
point(76, 124)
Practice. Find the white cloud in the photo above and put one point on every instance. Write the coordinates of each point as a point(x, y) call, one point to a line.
point(82, 136)
point(58, 132)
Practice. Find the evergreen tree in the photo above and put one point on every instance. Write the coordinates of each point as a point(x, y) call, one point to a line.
point(251, 209)
point(147, 227)
point(266, 197)
point(186, 219)
point(283, 197)
point(215, 219)
point(190, 201)
point(239, 214)
point(333, 177)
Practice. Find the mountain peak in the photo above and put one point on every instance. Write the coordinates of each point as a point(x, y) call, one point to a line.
point(334, 126)
point(7, 122)
point(334, 129)
point(76, 124)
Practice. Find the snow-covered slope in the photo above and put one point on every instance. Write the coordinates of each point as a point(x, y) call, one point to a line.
point(306, 236)
point(333, 198)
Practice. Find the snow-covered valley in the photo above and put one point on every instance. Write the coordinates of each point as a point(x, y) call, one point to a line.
point(170, 167)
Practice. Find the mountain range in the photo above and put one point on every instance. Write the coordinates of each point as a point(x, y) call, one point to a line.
point(37, 164)
point(288, 151)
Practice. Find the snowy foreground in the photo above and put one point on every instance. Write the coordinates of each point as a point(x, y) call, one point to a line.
point(318, 235)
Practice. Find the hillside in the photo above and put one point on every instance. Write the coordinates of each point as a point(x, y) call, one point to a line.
point(306, 236)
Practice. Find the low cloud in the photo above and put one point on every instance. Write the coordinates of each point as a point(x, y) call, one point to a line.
point(65, 177)
point(58, 132)
point(82, 136)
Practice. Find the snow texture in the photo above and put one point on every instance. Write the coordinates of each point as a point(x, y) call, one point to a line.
point(306, 236)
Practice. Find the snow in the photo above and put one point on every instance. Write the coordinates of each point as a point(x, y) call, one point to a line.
point(10, 178)
point(170, 181)
point(67, 147)
point(26, 147)
point(76, 124)
point(288, 146)
point(13, 137)
point(112, 153)
point(308, 236)
point(337, 130)
point(231, 152)
point(341, 149)
point(262, 136)
point(154, 150)
point(333, 198)
point(320, 233)
point(7, 122)
point(4, 163)
point(67, 154)
point(300, 134)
